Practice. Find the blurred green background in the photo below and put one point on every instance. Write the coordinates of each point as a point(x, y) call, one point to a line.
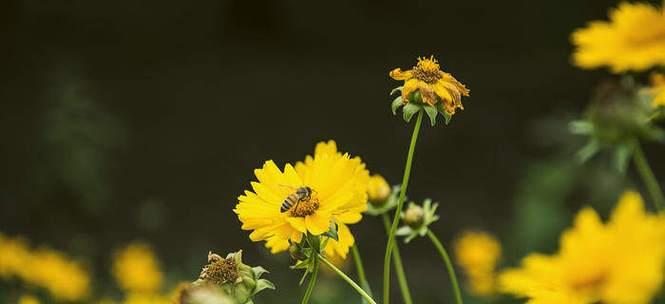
point(125, 120)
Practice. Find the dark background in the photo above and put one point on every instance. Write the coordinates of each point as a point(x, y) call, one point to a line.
point(143, 120)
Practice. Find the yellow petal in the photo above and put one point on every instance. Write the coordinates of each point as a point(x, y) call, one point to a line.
point(398, 74)
point(318, 223)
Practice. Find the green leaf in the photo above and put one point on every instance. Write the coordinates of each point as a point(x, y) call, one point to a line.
point(409, 110)
point(431, 113)
point(395, 90)
point(396, 104)
point(263, 284)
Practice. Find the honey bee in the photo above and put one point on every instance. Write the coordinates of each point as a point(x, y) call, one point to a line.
point(300, 195)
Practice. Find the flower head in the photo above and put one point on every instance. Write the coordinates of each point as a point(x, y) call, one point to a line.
point(617, 262)
point(633, 39)
point(658, 90)
point(417, 219)
point(478, 253)
point(136, 269)
point(426, 84)
point(280, 212)
point(238, 281)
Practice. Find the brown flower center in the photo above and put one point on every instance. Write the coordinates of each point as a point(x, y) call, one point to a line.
point(304, 208)
point(427, 70)
point(220, 271)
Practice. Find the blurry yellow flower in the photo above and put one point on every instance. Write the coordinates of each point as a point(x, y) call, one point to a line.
point(618, 262)
point(64, 279)
point(136, 269)
point(378, 189)
point(633, 39)
point(658, 89)
point(478, 253)
point(14, 256)
point(147, 298)
point(338, 183)
point(433, 85)
point(28, 299)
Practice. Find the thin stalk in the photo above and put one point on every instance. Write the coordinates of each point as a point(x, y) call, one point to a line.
point(360, 269)
point(399, 268)
point(311, 283)
point(400, 204)
point(649, 178)
point(446, 259)
point(346, 278)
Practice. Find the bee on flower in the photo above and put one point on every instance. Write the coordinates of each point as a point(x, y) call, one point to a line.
point(338, 196)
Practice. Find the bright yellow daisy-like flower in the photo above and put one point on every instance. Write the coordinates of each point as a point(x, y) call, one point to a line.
point(658, 90)
point(621, 261)
point(633, 39)
point(433, 85)
point(136, 269)
point(337, 184)
point(65, 279)
point(478, 253)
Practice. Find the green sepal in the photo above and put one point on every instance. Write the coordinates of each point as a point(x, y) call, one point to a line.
point(395, 90)
point(409, 110)
point(432, 112)
point(442, 110)
point(396, 104)
point(588, 151)
point(263, 284)
point(332, 232)
point(622, 156)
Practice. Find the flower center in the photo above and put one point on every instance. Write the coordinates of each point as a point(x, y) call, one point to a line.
point(221, 271)
point(427, 70)
point(304, 208)
point(590, 284)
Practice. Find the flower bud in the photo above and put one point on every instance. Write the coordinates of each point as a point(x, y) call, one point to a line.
point(414, 216)
point(378, 190)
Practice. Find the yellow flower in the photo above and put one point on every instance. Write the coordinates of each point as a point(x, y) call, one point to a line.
point(14, 256)
point(633, 39)
point(136, 269)
point(64, 279)
point(433, 84)
point(618, 262)
point(147, 298)
point(658, 89)
point(478, 253)
point(378, 189)
point(28, 299)
point(338, 186)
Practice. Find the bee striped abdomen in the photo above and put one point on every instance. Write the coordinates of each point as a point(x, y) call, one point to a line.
point(288, 203)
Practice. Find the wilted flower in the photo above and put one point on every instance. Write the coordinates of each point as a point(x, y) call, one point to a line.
point(427, 87)
point(237, 280)
point(337, 196)
point(136, 269)
point(633, 39)
point(478, 253)
point(417, 219)
point(621, 261)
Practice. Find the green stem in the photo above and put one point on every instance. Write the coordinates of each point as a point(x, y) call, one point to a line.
point(649, 178)
point(449, 265)
point(312, 282)
point(346, 278)
point(398, 211)
point(360, 269)
point(399, 268)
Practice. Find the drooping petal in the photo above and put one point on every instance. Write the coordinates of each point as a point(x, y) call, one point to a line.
point(398, 74)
